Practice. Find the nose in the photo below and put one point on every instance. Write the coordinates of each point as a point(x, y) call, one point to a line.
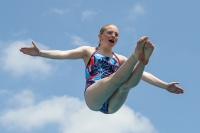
point(113, 35)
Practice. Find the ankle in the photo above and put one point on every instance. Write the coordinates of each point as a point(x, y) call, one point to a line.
point(134, 55)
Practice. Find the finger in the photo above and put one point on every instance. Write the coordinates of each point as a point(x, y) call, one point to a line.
point(176, 91)
point(26, 52)
point(22, 48)
point(179, 90)
point(175, 82)
point(34, 44)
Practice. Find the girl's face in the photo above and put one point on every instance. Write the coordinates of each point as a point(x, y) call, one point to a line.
point(109, 37)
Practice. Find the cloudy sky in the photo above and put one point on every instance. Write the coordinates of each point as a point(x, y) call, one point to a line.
point(40, 95)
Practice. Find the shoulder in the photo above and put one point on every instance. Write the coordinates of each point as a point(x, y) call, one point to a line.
point(122, 58)
point(88, 49)
point(85, 50)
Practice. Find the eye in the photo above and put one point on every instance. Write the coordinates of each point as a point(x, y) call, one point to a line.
point(109, 32)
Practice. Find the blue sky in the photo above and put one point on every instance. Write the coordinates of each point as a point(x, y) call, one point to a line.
point(40, 95)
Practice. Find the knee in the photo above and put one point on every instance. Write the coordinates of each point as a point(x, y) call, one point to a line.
point(132, 84)
point(124, 87)
point(93, 107)
point(110, 111)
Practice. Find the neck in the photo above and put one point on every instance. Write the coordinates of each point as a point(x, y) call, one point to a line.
point(105, 51)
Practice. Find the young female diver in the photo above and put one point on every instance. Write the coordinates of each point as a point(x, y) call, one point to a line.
point(109, 76)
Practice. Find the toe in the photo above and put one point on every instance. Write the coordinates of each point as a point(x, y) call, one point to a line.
point(140, 47)
point(148, 49)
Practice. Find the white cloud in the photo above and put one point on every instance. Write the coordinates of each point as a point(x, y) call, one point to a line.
point(58, 11)
point(88, 15)
point(24, 98)
point(78, 41)
point(13, 61)
point(71, 116)
point(137, 10)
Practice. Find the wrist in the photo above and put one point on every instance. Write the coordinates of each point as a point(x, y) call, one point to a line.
point(39, 53)
point(166, 85)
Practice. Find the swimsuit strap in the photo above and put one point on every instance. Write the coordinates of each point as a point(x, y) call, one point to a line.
point(96, 49)
point(116, 57)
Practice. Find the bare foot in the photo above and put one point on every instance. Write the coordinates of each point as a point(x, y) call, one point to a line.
point(139, 50)
point(148, 49)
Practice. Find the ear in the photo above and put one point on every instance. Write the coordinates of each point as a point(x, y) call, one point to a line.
point(100, 36)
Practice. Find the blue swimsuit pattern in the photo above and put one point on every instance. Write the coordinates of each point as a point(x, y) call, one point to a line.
point(99, 67)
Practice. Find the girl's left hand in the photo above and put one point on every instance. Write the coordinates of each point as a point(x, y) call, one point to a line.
point(173, 88)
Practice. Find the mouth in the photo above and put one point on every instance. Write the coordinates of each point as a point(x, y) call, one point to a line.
point(112, 41)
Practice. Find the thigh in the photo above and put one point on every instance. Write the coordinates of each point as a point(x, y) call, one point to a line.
point(99, 92)
point(117, 99)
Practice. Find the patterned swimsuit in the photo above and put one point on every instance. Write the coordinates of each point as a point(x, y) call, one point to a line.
point(99, 67)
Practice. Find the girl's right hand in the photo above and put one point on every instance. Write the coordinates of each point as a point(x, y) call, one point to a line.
point(33, 51)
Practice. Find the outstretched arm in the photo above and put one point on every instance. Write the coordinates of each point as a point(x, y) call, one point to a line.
point(171, 87)
point(77, 53)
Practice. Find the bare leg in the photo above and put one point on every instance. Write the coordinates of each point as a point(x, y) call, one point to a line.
point(101, 91)
point(120, 95)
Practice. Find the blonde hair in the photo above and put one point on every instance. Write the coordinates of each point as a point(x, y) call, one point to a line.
point(103, 29)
